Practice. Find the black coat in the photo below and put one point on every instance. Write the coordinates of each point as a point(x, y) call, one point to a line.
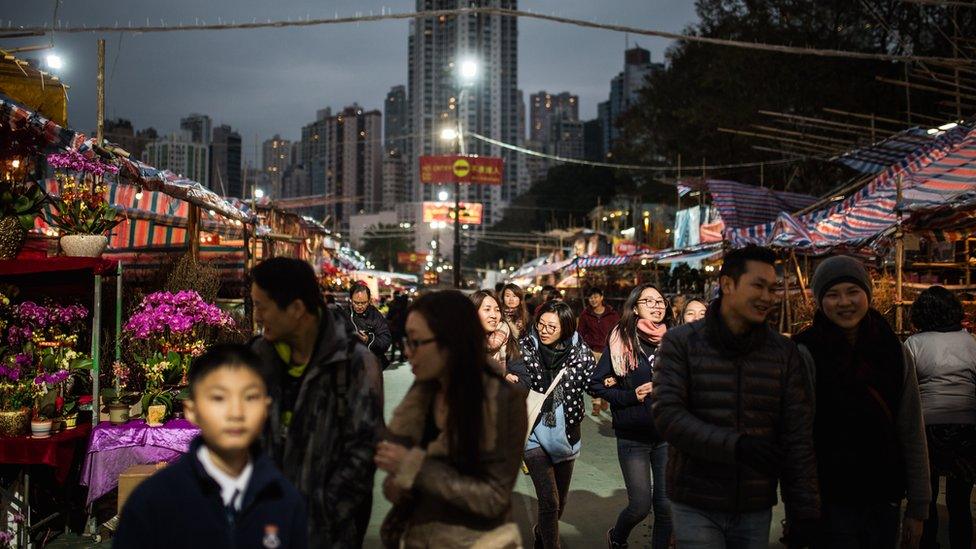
point(180, 506)
point(337, 417)
point(632, 419)
point(372, 322)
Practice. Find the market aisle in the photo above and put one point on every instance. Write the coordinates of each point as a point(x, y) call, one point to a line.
point(596, 495)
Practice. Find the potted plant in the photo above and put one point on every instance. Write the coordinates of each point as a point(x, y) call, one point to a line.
point(15, 395)
point(83, 214)
point(41, 427)
point(20, 203)
point(157, 405)
point(118, 411)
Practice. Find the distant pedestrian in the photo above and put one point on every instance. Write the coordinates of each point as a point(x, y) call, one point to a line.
point(396, 318)
point(514, 308)
point(595, 324)
point(224, 492)
point(370, 325)
point(501, 345)
point(730, 400)
point(623, 378)
point(694, 310)
point(868, 431)
point(547, 294)
point(945, 359)
point(326, 400)
point(455, 440)
point(555, 356)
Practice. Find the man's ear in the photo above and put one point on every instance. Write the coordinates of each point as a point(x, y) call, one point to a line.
point(296, 308)
point(726, 283)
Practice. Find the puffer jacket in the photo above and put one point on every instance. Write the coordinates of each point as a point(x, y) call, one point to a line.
point(704, 401)
point(447, 508)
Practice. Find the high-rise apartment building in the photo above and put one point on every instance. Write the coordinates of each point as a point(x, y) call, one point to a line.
point(226, 153)
point(180, 155)
point(275, 156)
point(200, 127)
point(624, 90)
point(394, 180)
point(396, 113)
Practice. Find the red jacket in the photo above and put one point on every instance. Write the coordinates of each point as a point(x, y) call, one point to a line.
point(595, 329)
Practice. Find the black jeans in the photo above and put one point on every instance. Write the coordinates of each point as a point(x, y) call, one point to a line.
point(951, 450)
point(551, 482)
point(868, 526)
point(643, 465)
point(957, 497)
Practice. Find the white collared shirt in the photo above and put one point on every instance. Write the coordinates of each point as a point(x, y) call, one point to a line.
point(231, 489)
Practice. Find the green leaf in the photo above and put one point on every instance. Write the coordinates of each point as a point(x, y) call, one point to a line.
point(82, 364)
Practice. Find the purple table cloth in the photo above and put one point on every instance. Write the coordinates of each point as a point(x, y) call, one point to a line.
point(114, 448)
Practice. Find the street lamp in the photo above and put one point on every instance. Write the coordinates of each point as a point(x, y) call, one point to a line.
point(442, 196)
point(54, 61)
point(259, 193)
point(467, 73)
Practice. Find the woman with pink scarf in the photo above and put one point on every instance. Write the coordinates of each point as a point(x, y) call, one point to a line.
point(623, 378)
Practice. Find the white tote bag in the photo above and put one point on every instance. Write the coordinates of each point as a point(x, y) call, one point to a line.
point(535, 400)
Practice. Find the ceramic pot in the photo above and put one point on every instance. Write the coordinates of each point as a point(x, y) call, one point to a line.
point(118, 413)
point(41, 428)
point(71, 422)
point(14, 423)
point(83, 245)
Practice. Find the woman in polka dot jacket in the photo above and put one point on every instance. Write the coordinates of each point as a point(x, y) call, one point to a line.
point(554, 442)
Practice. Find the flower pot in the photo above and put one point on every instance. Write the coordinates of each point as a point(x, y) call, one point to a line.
point(83, 245)
point(155, 415)
point(71, 422)
point(41, 428)
point(118, 413)
point(12, 236)
point(14, 423)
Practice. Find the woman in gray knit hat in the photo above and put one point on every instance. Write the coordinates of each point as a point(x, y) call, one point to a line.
point(868, 432)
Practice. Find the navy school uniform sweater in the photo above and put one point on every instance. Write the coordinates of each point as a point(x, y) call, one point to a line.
point(181, 506)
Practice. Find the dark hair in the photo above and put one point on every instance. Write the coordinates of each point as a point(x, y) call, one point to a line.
point(499, 287)
point(453, 319)
point(734, 264)
point(549, 292)
point(691, 300)
point(358, 287)
point(286, 280)
point(593, 290)
point(937, 310)
point(522, 312)
point(224, 356)
point(627, 325)
point(479, 297)
point(567, 318)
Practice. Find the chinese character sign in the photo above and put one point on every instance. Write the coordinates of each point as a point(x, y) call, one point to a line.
point(478, 170)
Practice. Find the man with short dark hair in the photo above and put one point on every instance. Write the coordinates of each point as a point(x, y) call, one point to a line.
point(730, 399)
point(327, 400)
point(369, 323)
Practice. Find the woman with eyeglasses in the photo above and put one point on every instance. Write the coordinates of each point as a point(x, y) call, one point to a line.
point(623, 378)
point(551, 349)
point(514, 309)
point(502, 346)
point(458, 432)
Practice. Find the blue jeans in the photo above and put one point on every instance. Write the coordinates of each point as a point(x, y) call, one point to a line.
point(699, 529)
point(642, 465)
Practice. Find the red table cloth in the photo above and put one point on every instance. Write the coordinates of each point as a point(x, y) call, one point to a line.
point(57, 451)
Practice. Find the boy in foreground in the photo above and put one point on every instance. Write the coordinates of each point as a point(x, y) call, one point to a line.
point(223, 492)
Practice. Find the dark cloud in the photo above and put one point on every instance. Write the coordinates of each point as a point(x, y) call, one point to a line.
point(264, 82)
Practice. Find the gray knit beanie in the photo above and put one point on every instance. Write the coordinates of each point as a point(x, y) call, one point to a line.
point(837, 269)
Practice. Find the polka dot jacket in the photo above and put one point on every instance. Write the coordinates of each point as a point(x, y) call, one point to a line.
point(579, 364)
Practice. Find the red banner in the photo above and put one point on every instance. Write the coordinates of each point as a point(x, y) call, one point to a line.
point(411, 260)
point(471, 212)
point(478, 170)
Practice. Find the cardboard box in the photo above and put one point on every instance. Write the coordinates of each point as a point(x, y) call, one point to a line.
point(131, 477)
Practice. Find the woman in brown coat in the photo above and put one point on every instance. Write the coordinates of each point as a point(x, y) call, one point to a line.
point(455, 441)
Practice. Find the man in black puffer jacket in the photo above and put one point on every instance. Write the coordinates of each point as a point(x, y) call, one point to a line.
point(369, 323)
point(729, 397)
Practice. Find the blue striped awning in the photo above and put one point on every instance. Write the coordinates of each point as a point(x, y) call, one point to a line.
point(743, 205)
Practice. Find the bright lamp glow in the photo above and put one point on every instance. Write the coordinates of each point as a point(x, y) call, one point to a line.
point(54, 61)
point(469, 69)
point(449, 134)
point(948, 126)
point(258, 193)
point(442, 196)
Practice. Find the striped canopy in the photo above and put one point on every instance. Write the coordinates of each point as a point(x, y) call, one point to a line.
point(892, 150)
point(743, 205)
point(941, 180)
point(602, 261)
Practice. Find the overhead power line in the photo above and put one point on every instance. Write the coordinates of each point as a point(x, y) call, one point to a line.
point(309, 22)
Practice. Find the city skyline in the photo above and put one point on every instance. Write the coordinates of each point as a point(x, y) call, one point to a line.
point(282, 90)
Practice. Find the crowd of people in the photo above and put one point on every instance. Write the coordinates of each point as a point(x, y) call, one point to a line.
point(713, 411)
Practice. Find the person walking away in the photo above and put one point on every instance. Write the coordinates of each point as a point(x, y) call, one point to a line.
point(945, 361)
point(555, 354)
point(514, 308)
point(623, 378)
point(867, 431)
point(326, 400)
point(595, 324)
point(455, 440)
point(694, 310)
point(501, 346)
point(224, 492)
point(729, 399)
point(396, 319)
point(370, 325)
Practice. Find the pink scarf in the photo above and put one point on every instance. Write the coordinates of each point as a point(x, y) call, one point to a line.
point(496, 343)
point(623, 358)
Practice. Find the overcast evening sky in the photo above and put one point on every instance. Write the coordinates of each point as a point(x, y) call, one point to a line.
point(269, 81)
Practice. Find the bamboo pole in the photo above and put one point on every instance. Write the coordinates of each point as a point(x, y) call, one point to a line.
point(915, 86)
point(899, 258)
point(100, 84)
point(832, 140)
point(193, 231)
point(865, 129)
point(779, 138)
point(862, 116)
point(799, 278)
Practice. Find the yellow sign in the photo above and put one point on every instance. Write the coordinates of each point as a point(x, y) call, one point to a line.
point(461, 167)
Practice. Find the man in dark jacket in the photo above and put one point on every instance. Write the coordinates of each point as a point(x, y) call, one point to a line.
point(327, 400)
point(730, 399)
point(594, 327)
point(396, 318)
point(368, 322)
